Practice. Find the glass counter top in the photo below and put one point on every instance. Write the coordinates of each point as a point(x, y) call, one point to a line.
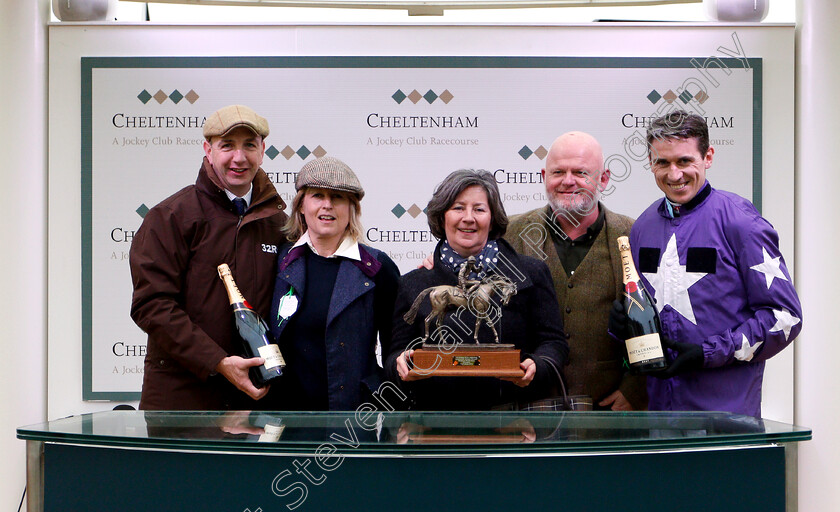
point(413, 433)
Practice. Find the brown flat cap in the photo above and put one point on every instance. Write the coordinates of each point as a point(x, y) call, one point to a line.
point(330, 173)
point(227, 118)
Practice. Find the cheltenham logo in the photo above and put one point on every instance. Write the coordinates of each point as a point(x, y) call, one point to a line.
point(415, 96)
point(160, 96)
point(287, 152)
point(413, 210)
point(526, 152)
point(142, 210)
point(671, 96)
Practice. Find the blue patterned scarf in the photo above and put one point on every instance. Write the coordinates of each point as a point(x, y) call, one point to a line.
point(487, 259)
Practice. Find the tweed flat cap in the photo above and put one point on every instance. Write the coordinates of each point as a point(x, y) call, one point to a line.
point(330, 173)
point(227, 118)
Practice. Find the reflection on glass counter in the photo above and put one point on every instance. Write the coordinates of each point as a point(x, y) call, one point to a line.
point(442, 461)
point(414, 432)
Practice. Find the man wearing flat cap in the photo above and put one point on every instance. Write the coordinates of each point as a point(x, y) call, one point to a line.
point(234, 215)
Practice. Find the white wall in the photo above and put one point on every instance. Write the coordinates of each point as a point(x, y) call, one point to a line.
point(781, 11)
point(23, 232)
point(817, 185)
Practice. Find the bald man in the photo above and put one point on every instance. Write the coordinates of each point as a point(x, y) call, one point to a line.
point(576, 236)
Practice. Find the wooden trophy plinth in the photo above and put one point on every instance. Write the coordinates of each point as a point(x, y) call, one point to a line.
point(479, 360)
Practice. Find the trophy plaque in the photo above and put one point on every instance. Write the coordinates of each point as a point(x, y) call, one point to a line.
point(466, 359)
point(480, 360)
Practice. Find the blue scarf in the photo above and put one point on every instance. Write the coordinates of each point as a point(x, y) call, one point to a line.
point(487, 259)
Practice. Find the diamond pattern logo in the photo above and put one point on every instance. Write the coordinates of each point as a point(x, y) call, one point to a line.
point(526, 152)
point(175, 96)
point(414, 211)
point(430, 96)
point(142, 210)
point(272, 152)
point(303, 152)
point(288, 152)
point(398, 96)
point(685, 96)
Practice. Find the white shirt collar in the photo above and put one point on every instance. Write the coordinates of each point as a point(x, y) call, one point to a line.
point(246, 197)
point(348, 248)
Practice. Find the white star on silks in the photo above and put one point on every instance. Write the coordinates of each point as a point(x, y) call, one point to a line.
point(784, 322)
point(671, 282)
point(770, 267)
point(745, 353)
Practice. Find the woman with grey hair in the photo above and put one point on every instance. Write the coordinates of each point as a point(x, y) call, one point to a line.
point(467, 215)
point(333, 296)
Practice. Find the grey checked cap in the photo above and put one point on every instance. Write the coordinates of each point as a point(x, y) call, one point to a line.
point(330, 173)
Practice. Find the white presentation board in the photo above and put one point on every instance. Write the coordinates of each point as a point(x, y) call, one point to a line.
point(402, 121)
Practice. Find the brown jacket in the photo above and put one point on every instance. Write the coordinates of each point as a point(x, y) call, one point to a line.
point(595, 359)
point(179, 300)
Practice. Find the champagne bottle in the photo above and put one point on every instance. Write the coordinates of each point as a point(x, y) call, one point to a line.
point(254, 333)
point(644, 347)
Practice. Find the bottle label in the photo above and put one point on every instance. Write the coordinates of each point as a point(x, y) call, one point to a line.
point(273, 357)
point(271, 433)
point(644, 348)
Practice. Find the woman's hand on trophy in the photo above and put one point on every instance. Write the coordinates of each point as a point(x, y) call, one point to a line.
point(530, 369)
point(405, 365)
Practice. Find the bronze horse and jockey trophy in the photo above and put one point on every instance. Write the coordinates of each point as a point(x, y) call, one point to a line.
point(446, 355)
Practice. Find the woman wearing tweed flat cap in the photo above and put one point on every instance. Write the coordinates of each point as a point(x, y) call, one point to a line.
point(333, 296)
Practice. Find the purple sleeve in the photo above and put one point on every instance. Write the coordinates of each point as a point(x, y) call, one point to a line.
point(774, 313)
